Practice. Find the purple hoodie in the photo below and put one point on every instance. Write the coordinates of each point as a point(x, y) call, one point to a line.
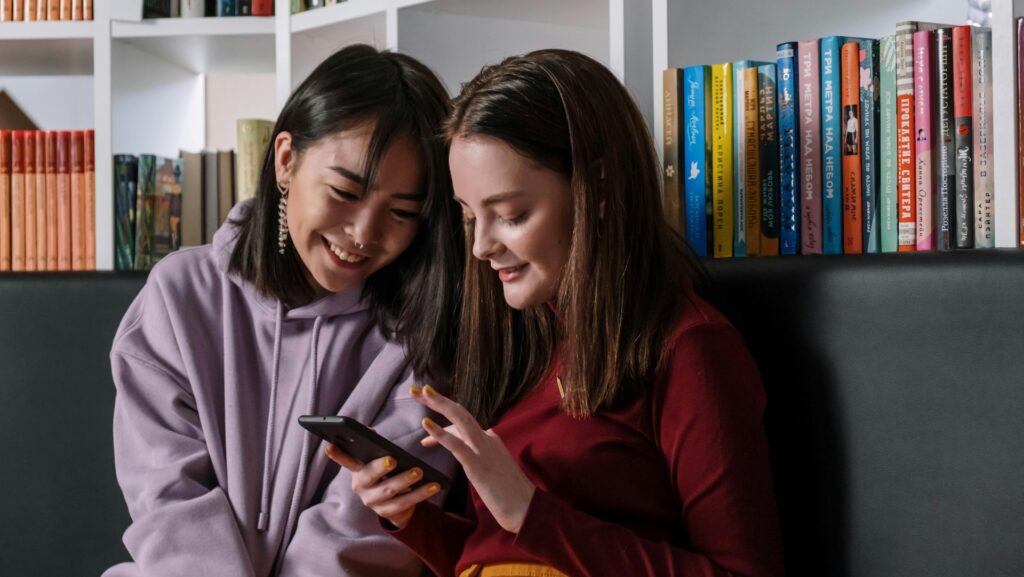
point(219, 477)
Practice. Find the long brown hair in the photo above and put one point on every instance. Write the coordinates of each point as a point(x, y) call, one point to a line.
point(627, 270)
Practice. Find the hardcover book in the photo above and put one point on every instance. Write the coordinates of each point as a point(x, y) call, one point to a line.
point(126, 173)
point(963, 137)
point(869, 124)
point(18, 200)
point(984, 183)
point(789, 149)
point(30, 200)
point(945, 153)
point(768, 151)
point(722, 159)
point(672, 172)
point(809, 97)
point(853, 232)
point(40, 208)
point(696, 156)
point(5, 200)
point(923, 41)
point(64, 200)
point(145, 207)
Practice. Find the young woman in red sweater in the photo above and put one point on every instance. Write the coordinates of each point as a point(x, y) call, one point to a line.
point(608, 419)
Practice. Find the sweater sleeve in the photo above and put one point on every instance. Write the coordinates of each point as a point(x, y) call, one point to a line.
point(707, 414)
point(181, 518)
point(437, 536)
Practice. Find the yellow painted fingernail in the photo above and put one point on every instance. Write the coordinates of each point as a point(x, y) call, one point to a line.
point(429, 391)
point(389, 463)
point(433, 488)
point(414, 474)
point(427, 422)
point(415, 390)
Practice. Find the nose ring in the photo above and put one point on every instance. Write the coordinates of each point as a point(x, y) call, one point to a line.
point(358, 245)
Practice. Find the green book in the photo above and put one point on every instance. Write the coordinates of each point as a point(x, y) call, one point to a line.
point(888, 220)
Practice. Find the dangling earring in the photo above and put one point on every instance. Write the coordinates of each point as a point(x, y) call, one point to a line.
point(282, 218)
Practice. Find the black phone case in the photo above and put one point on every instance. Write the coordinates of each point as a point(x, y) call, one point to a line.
point(365, 445)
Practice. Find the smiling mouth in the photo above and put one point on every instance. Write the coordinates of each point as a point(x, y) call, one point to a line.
point(511, 273)
point(342, 254)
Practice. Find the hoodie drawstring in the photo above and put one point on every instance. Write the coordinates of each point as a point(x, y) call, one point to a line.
point(264, 516)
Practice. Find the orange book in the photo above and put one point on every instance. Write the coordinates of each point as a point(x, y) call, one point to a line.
point(18, 200)
point(40, 208)
point(6, 10)
point(853, 233)
point(41, 9)
point(64, 6)
point(77, 201)
point(89, 151)
point(30, 10)
point(30, 200)
point(52, 247)
point(63, 200)
point(5, 199)
point(752, 147)
point(76, 9)
point(18, 10)
point(87, 10)
point(53, 9)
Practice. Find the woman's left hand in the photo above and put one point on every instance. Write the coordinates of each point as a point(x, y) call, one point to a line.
point(494, 473)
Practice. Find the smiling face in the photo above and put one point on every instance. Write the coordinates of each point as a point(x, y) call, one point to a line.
point(343, 232)
point(521, 213)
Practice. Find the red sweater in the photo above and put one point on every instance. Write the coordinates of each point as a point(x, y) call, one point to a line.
point(676, 482)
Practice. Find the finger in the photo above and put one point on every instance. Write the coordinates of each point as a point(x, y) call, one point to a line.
point(342, 458)
point(459, 449)
point(372, 473)
point(408, 500)
point(430, 442)
point(469, 429)
point(387, 489)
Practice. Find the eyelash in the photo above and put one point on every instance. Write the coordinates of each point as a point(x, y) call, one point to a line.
point(344, 195)
point(349, 197)
point(514, 221)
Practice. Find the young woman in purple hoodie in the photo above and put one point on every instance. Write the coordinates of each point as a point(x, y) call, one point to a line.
point(331, 292)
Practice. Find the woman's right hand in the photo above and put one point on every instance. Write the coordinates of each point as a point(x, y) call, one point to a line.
point(388, 497)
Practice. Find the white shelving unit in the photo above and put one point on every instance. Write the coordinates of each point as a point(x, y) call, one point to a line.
point(149, 79)
point(692, 33)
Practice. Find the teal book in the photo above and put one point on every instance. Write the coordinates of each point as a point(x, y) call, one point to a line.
point(126, 173)
point(887, 166)
point(869, 142)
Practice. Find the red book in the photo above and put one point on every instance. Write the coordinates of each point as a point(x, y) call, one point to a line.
point(963, 138)
point(77, 200)
point(853, 231)
point(52, 247)
point(18, 200)
point(40, 208)
point(5, 200)
point(89, 153)
point(63, 200)
point(262, 7)
point(30, 200)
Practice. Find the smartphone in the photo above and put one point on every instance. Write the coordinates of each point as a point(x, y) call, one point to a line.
point(364, 444)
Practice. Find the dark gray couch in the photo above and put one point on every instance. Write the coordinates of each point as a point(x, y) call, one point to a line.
point(896, 412)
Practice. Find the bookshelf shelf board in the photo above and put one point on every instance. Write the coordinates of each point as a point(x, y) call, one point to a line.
point(193, 27)
point(80, 30)
point(345, 11)
point(577, 13)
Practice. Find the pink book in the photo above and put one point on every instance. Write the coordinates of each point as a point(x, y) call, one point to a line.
point(923, 144)
point(809, 98)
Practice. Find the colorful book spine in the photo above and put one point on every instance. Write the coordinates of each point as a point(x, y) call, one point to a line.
point(30, 200)
point(739, 159)
point(852, 229)
point(925, 228)
point(672, 190)
point(89, 153)
point(963, 138)
point(945, 153)
point(40, 208)
point(1020, 125)
point(869, 125)
point(722, 159)
point(52, 207)
point(789, 149)
point(126, 173)
point(768, 150)
point(77, 200)
point(145, 204)
point(752, 163)
point(64, 200)
point(166, 232)
point(225, 8)
point(262, 7)
point(887, 186)
point(5, 200)
point(831, 154)
point(809, 97)
point(18, 200)
point(696, 155)
point(905, 136)
point(984, 184)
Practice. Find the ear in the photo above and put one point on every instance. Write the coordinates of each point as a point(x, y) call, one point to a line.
point(284, 157)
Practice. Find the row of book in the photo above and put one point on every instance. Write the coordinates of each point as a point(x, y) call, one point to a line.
point(842, 145)
point(162, 204)
point(47, 200)
point(204, 8)
point(303, 5)
point(39, 10)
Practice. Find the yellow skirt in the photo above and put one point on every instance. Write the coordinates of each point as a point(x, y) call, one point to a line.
point(511, 570)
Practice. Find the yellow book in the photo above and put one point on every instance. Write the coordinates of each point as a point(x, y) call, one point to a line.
point(753, 161)
point(721, 158)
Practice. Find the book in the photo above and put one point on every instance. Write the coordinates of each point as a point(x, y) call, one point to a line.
point(869, 126)
point(6, 12)
point(193, 8)
point(1020, 125)
point(945, 153)
point(126, 173)
point(831, 152)
point(89, 154)
point(64, 200)
point(53, 11)
point(746, 187)
point(696, 156)
point(86, 9)
point(5, 200)
point(77, 173)
point(30, 10)
point(852, 229)
point(768, 150)
point(40, 208)
point(672, 172)
point(226, 186)
point(225, 7)
point(925, 228)
point(789, 149)
point(243, 7)
point(963, 137)
point(809, 97)
point(52, 205)
point(722, 159)
point(253, 140)
point(166, 232)
point(145, 205)
point(192, 199)
point(156, 9)
point(984, 184)
point(262, 7)
point(211, 202)
point(18, 200)
point(30, 200)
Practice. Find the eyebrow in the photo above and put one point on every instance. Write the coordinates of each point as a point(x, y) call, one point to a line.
point(358, 179)
point(496, 198)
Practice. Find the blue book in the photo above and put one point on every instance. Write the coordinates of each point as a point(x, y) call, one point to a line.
point(831, 156)
point(739, 153)
point(768, 164)
point(696, 152)
point(869, 125)
point(789, 149)
point(226, 8)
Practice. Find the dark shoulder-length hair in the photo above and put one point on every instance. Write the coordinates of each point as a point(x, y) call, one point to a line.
point(414, 297)
point(623, 284)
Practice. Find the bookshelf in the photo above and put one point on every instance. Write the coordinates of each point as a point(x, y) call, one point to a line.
point(685, 34)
